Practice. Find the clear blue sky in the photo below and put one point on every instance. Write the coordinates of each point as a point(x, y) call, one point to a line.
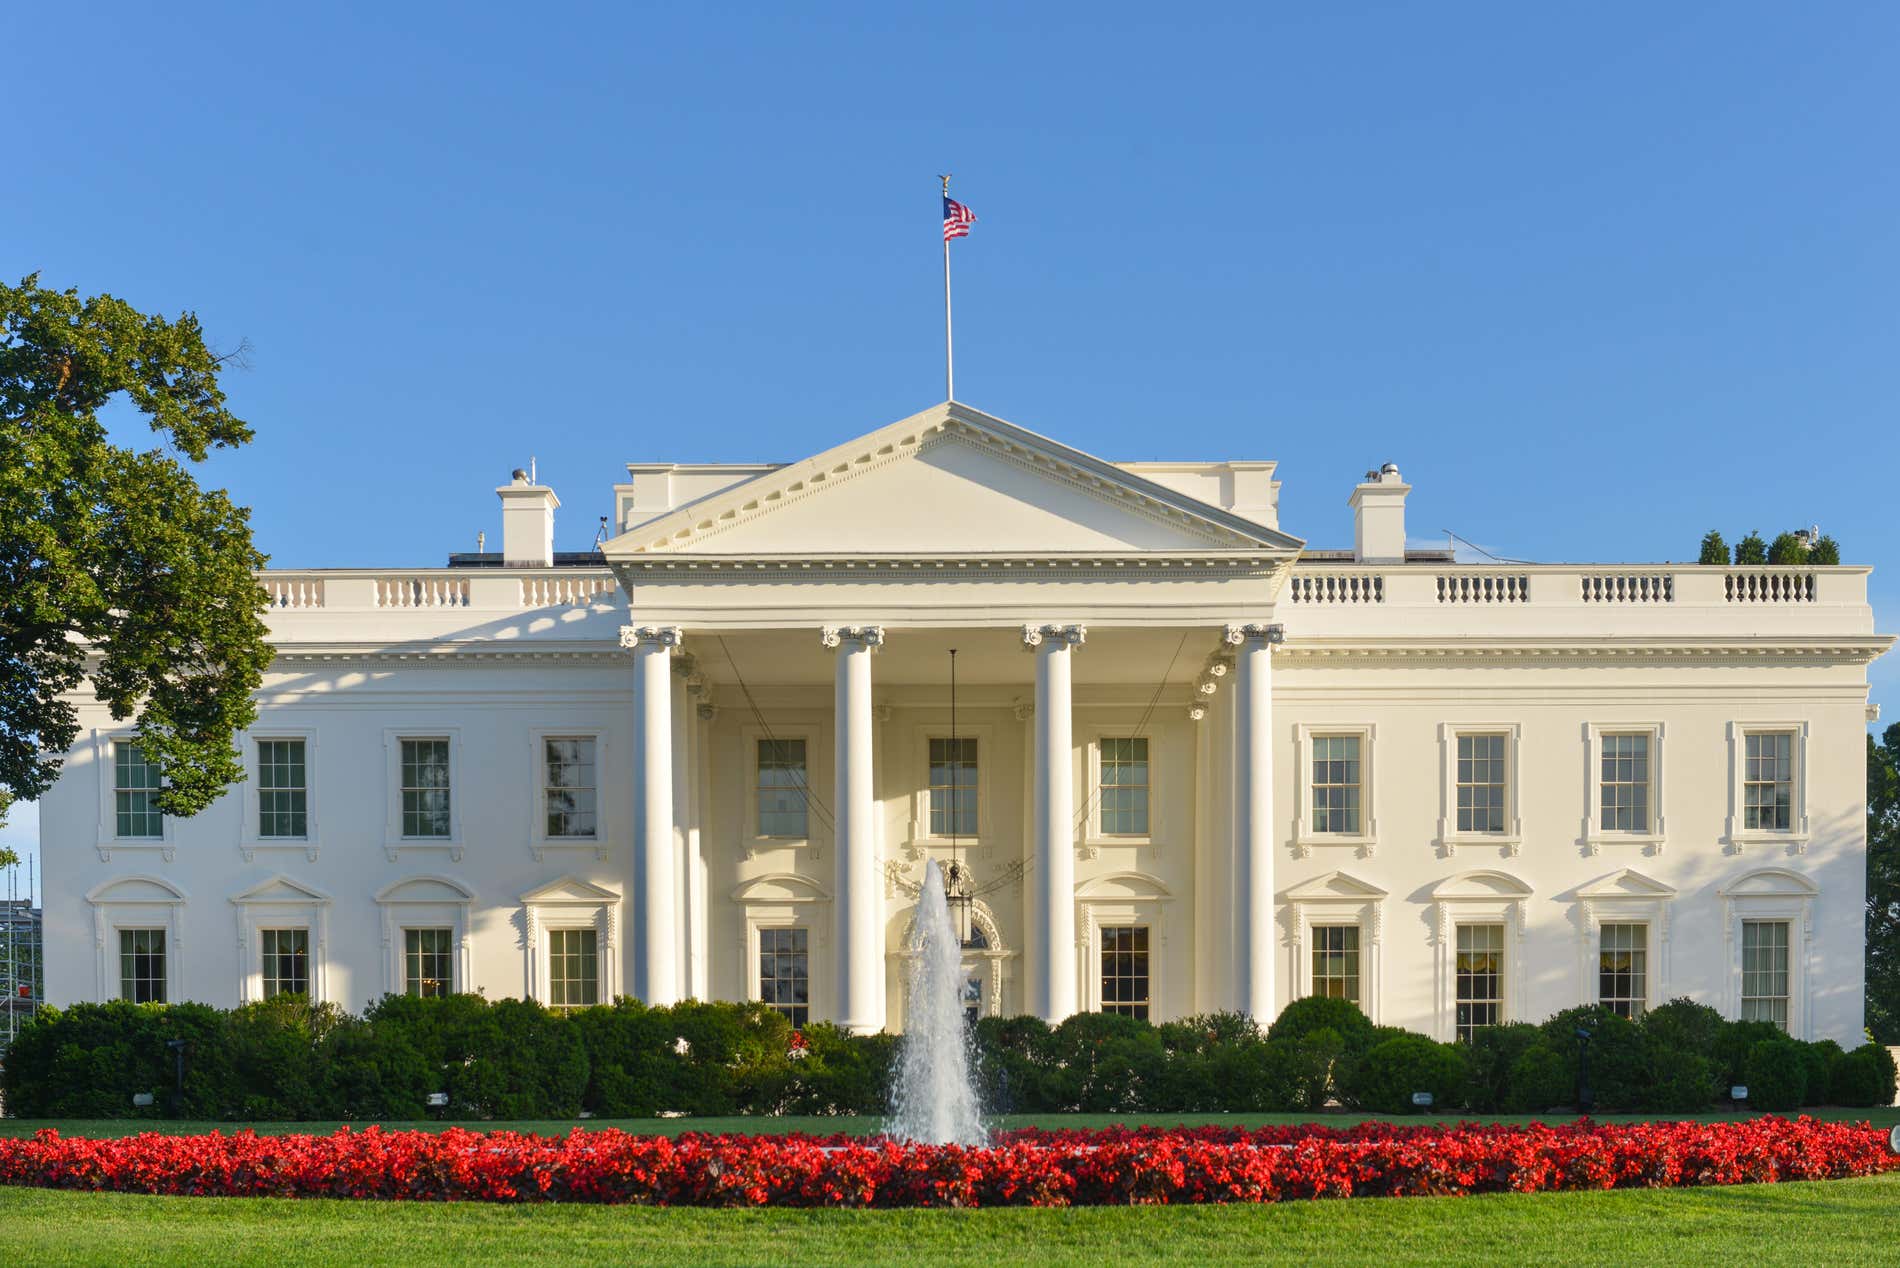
point(1598, 278)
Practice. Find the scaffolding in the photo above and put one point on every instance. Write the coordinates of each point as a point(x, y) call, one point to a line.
point(22, 953)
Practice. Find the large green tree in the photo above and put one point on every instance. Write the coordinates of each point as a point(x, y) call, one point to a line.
point(118, 572)
point(1883, 886)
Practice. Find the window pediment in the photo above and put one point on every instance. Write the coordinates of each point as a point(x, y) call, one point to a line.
point(1480, 885)
point(1626, 883)
point(281, 889)
point(1332, 887)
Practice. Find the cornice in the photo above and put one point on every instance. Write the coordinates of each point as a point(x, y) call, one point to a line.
point(1258, 562)
point(1555, 652)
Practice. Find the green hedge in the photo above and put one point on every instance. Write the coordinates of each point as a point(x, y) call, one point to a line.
point(510, 1059)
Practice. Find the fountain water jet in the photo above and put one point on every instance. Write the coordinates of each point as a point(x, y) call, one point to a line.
point(934, 1098)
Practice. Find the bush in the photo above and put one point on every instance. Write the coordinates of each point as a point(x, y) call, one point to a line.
point(1540, 1080)
point(1489, 1055)
point(1863, 1078)
point(1817, 1067)
point(1101, 1063)
point(1322, 1012)
point(1393, 1070)
point(1620, 1070)
point(1733, 1044)
point(1776, 1074)
point(1681, 1039)
point(1714, 549)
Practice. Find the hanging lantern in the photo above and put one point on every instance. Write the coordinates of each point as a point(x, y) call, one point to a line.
point(957, 893)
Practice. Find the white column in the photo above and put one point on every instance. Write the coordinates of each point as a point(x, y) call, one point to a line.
point(859, 898)
point(1253, 813)
point(655, 886)
point(1052, 974)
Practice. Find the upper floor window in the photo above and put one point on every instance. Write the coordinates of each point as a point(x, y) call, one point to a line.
point(135, 788)
point(1124, 787)
point(783, 789)
point(282, 789)
point(953, 787)
point(1768, 781)
point(286, 964)
point(1765, 971)
point(570, 793)
point(425, 788)
point(1482, 787)
point(1625, 787)
point(1623, 969)
point(1336, 784)
point(142, 965)
point(1125, 970)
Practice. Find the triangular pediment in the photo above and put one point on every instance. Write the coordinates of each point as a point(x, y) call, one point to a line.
point(281, 889)
point(1628, 883)
point(1333, 887)
point(949, 481)
point(570, 889)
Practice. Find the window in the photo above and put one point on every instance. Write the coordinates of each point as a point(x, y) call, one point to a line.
point(1124, 787)
point(785, 973)
point(783, 790)
point(282, 791)
point(953, 788)
point(570, 792)
point(1625, 782)
point(286, 961)
point(425, 788)
point(1481, 784)
point(1623, 969)
point(1768, 782)
point(573, 968)
point(1765, 971)
point(427, 962)
point(1480, 969)
point(1336, 961)
point(1336, 784)
point(1125, 970)
point(135, 788)
point(142, 965)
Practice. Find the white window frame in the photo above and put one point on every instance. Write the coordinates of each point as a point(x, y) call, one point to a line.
point(1093, 835)
point(1338, 898)
point(786, 900)
point(1625, 897)
point(1511, 840)
point(572, 903)
point(394, 842)
point(419, 902)
point(1773, 893)
point(1125, 898)
point(1507, 973)
point(986, 752)
point(750, 737)
point(1797, 833)
point(1649, 960)
point(1366, 840)
point(1594, 837)
point(1478, 898)
point(601, 845)
point(137, 902)
point(281, 903)
point(107, 838)
point(250, 840)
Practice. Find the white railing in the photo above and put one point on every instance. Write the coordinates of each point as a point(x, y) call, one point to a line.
point(1628, 587)
point(1484, 587)
point(421, 590)
point(565, 591)
point(1769, 585)
point(294, 592)
point(1338, 587)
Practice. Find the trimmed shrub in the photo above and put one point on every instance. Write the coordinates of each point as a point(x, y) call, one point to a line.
point(1007, 1068)
point(1776, 1074)
point(1684, 1083)
point(1101, 1063)
point(1322, 1012)
point(1714, 549)
point(1620, 1072)
point(1540, 1080)
point(1817, 1065)
point(1863, 1078)
point(1489, 1055)
point(1393, 1070)
point(1736, 1040)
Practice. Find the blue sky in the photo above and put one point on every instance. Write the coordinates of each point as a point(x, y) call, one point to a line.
point(1598, 278)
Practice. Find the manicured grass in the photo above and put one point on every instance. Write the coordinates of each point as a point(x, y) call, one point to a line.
point(859, 1126)
point(1841, 1221)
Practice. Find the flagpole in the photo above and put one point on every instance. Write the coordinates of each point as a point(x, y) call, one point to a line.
point(949, 357)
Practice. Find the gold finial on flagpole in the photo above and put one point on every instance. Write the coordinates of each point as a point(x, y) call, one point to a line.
point(945, 178)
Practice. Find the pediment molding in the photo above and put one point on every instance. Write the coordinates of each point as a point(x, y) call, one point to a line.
point(425, 889)
point(1124, 885)
point(281, 889)
point(136, 889)
point(1334, 886)
point(1480, 885)
point(1770, 882)
point(1626, 883)
point(780, 887)
point(570, 890)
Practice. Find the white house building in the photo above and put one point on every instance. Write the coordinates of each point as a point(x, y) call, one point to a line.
point(1193, 764)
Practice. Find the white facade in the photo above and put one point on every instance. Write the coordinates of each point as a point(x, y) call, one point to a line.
point(1211, 769)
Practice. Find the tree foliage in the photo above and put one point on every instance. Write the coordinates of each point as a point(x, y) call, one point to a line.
point(1824, 551)
point(1883, 886)
point(1787, 548)
point(1714, 548)
point(1751, 550)
point(116, 568)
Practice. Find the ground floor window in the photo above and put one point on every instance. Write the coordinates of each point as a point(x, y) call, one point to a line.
point(573, 968)
point(1623, 969)
point(1765, 971)
point(1125, 970)
point(142, 965)
point(286, 961)
point(1480, 977)
point(785, 973)
point(1336, 961)
point(427, 963)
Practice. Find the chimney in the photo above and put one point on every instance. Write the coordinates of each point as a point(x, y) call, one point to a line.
point(527, 522)
point(1378, 517)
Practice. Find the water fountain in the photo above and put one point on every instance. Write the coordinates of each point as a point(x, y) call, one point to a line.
point(934, 1098)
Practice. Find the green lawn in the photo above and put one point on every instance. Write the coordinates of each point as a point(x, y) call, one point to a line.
point(851, 1125)
point(1841, 1221)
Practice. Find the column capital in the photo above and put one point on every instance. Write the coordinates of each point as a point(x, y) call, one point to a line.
point(1073, 635)
point(664, 635)
point(838, 635)
point(1236, 635)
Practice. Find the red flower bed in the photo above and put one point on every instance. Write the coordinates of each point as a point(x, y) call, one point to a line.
point(1022, 1168)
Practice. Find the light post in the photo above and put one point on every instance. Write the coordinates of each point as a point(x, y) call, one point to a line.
point(1585, 1100)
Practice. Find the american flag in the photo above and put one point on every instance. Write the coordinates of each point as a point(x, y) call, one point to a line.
point(957, 219)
